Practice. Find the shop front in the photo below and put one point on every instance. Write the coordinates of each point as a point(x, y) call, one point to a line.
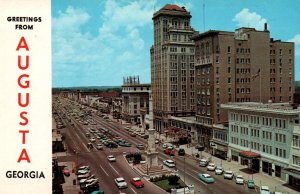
point(293, 177)
point(250, 159)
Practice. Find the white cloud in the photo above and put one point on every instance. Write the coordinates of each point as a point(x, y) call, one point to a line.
point(245, 18)
point(80, 58)
point(296, 40)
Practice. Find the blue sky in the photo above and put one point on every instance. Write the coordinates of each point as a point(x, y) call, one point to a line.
point(98, 42)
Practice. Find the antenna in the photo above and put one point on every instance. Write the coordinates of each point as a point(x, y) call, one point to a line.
point(203, 17)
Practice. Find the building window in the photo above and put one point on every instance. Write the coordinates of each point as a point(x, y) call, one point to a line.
point(217, 59)
point(229, 49)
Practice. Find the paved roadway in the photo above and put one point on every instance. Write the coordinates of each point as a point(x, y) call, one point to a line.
point(106, 172)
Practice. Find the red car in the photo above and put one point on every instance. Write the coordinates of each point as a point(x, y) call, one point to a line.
point(137, 182)
point(170, 151)
point(132, 134)
point(66, 172)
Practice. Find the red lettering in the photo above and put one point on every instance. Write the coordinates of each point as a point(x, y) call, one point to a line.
point(23, 135)
point(25, 119)
point(20, 99)
point(24, 156)
point(22, 44)
point(20, 63)
point(26, 83)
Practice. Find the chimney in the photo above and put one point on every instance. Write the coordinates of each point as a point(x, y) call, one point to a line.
point(266, 27)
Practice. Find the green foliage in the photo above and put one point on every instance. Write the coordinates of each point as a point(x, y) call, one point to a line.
point(173, 180)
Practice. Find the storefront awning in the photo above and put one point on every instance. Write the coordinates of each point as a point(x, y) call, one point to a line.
point(249, 154)
point(293, 172)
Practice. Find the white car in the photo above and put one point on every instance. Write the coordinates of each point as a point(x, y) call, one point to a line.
point(239, 179)
point(165, 145)
point(92, 140)
point(169, 163)
point(264, 190)
point(211, 167)
point(120, 182)
point(99, 147)
point(219, 170)
point(203, 162)
point(111, 158)
point(228, 175)
point(84, 168)
point(84, 180)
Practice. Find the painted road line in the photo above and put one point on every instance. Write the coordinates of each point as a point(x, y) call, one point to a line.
point(133, 190)
point(104, 171)
point(114, 169)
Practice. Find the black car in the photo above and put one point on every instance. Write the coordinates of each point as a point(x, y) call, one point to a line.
point(181, 152)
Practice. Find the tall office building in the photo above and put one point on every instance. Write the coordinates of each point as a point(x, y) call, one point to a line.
point(172, 65)
point(242, 66)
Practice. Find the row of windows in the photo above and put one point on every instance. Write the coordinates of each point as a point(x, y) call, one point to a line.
point(280, 152)
point(182, 49)
point(267, 121)
point(280, 51)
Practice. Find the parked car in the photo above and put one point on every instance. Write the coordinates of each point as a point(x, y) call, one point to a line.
point(92, 140)
point(120, 182)
point(228, 175)
point(203, 162)
point(264, 190)
point(250, 184)
point(169, 163)
point(239, 179)
point(132, 134)
point(99, 147)
point(89, 145)
point(181, 152)
point(156, 141)
point(211, 166)
point(84, 168)
point(219, 170)
point(84, 176)
point(124, 144)
point(140, 146)
point(111, 158)
point(88, 178)
point(206, 178)
point(79, 172)
point(137, 182)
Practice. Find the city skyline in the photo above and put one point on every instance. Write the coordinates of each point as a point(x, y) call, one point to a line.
point(93, 43)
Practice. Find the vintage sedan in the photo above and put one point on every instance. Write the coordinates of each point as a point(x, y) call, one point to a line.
point(137, 182)
point(206, 178)
point(111, 158)
point(250, 184)
point(120, 182)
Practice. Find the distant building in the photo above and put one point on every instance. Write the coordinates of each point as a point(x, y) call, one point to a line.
point(135, 97)
point(242, 66)
point(172, 65)
point(265, 137)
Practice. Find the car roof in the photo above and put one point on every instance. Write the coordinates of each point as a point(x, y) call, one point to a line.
point(120, 179)
point(228, 171)
point(136, 179)
point(206, 175)
point(169, 160)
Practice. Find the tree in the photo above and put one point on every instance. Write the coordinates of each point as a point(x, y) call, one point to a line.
point(173, 180)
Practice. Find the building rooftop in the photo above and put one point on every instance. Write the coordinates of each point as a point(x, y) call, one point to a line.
point(278, 108)
point(173, 7)
point(172, 10)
